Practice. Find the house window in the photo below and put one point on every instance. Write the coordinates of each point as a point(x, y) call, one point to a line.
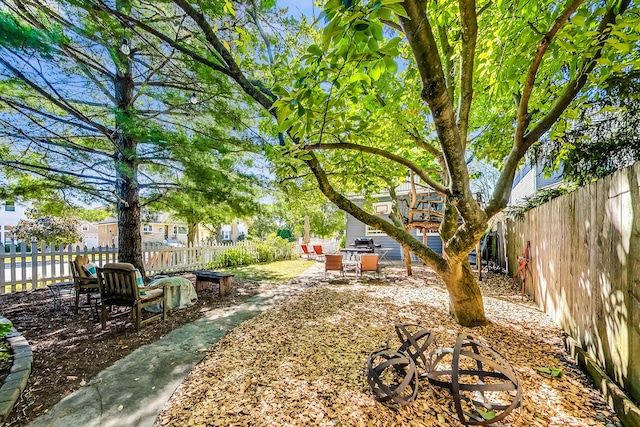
point(182, 230)
point(382, 208)
point(175, 230)
point(85, 227)
point(370, 231)
point(225, 235)
point(8, 234)
point(147, 228)
point(9, 206)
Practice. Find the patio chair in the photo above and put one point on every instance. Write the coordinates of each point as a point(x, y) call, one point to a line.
point(82, 282)
point(318, 250)
point(305, 251)
point(333, 263)
point(369, 262)
point(119, 287)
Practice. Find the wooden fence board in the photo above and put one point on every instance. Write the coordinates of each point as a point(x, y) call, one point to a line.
point(586, 262)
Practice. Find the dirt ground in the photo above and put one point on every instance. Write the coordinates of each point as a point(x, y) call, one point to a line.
point(71, 349)
point(305, 362)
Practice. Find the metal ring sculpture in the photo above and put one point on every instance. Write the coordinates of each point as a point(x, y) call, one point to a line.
point(403, 388)
point(466, 347)
point(415, 344)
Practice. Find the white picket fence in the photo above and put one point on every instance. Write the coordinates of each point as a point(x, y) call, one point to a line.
point(32, 266)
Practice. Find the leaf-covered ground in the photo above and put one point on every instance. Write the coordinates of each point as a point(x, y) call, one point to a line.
point(304, 362)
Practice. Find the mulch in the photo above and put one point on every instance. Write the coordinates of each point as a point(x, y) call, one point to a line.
point(69, 349)
point(304, 362)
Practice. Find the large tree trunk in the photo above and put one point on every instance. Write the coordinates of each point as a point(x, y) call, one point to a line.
point(465, 299)
point(126, 164)
point(128, 207)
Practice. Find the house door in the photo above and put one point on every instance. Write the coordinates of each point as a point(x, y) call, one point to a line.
point(166, 232)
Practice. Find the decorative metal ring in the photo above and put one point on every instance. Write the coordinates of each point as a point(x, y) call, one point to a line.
point(467, 347)
point(402, 386)
point(415, 343)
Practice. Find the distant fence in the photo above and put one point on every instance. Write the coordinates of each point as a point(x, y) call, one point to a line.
point(585, 269)
point(32, 266)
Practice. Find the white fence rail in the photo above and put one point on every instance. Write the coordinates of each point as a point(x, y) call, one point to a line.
point(32, 266)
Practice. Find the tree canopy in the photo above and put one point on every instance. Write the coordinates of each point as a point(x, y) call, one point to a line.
point(378, 88)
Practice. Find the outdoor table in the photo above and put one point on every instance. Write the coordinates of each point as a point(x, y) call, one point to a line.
point(383, 255)
point(356, 251)
point(204, 276)
point(58, 290)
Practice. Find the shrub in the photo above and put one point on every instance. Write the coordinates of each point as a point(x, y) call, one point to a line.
point(343, 241)
point(231, 258)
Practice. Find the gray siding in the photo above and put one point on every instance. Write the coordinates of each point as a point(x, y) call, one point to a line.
point(357, 229)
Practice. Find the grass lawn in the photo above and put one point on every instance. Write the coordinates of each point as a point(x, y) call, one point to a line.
point(279, 271)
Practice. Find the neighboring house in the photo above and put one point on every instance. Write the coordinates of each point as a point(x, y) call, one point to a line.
point(356, 229)
point(89, 233)
point(529, 180)
point(157, 228)
point(233, 231)
point(11, 213)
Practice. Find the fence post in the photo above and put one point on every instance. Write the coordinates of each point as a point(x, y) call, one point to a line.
point(34, 263)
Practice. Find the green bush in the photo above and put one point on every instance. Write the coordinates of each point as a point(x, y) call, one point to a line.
point(343, 241)
point(232, 258)
point(273, 249)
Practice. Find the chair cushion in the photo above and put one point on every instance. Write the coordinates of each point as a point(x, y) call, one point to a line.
point(139, 279)
point(151, 294)
point(90, 269)
point(79, 261)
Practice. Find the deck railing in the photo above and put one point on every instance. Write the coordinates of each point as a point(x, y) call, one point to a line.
point(32, 266)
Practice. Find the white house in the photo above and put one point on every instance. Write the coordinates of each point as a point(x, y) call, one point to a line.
point(529, 180)
point(233, 231)
point(10, 215)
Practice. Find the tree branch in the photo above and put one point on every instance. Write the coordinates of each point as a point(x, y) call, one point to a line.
point(399, 234)
point(576, 84)
point(233, 70)
point(469, 37)
point(382, 153)
point(523, 115)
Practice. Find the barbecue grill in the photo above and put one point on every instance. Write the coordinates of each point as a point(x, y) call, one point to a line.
point(365, 243)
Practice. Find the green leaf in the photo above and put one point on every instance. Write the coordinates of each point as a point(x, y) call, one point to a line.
point(398, 9)
point(360, 77)
point(314, 49)
point(391, 65)
point(556, 373)
point(487, 415)
point(543, 369)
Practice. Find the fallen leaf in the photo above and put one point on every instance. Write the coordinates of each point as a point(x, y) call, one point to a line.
point(120, 408)
point(72, 377)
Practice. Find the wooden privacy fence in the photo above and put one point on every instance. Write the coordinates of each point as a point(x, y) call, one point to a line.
point(585, 269)
point(32, 266)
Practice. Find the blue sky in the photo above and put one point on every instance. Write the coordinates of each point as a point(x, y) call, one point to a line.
point(299, 7)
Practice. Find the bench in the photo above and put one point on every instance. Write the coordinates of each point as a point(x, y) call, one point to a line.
point(205, 276)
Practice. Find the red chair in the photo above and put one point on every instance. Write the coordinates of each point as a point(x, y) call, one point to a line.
point(305, 251)
point(318, 250)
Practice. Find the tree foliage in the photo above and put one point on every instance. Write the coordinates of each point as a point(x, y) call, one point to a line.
point(603, 139)
point(126, 128)
point(49, 229)
point(382, 87)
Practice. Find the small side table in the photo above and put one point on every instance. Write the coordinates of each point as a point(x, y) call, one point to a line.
point(58, 290)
